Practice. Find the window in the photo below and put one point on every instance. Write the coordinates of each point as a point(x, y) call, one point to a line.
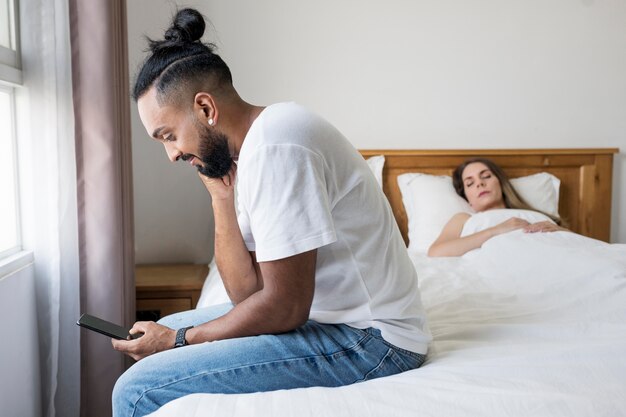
point(9, 44)
point(9, 240)
point(7, 29)
point(10, 79)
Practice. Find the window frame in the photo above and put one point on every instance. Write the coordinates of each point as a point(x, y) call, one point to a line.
point(10, 81)
point(10, 58)
point(16, 180)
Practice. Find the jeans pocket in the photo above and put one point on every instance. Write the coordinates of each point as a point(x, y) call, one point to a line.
point(390, 364)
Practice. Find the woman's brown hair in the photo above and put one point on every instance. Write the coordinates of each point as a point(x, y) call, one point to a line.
point(511, 198)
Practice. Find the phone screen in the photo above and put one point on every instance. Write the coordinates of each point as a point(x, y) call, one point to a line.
point(104, 327)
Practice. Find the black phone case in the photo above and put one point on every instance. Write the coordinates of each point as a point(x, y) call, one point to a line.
point(103, 327)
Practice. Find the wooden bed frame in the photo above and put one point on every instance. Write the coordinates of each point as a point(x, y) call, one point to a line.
point(585, 174)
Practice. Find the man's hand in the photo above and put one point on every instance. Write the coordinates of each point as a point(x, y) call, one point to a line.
point(221, 188)
point(156, 338)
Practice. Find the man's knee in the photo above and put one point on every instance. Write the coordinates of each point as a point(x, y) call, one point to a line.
point(128, 392)
point(125, 393)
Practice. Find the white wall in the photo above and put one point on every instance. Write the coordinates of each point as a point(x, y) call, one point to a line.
point(418, 74)
point(19, 351)
point(173, 216)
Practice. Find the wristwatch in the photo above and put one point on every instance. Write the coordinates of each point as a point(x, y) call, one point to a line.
point(180, 337)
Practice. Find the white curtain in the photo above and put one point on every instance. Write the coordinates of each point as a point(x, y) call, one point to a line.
point(48, 183)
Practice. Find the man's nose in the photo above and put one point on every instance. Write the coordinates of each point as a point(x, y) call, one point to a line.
point(172, 153)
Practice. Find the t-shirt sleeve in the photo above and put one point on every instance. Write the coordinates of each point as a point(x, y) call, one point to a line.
point(284, 202)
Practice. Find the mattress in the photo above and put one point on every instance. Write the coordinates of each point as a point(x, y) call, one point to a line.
point(528, 325)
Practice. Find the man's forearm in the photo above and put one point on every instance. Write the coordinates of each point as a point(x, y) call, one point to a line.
point(234, 262)
point(256, 315)
point(283, 304)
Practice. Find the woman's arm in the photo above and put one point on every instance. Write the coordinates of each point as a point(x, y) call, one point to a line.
point(544, 227)
point(450, 242)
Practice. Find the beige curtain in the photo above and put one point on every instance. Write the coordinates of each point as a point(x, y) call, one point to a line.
point(104, 188)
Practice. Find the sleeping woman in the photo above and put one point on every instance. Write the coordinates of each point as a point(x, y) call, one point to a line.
point(486, 187)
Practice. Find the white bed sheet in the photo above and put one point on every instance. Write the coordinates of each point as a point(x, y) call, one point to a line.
point(528, 325)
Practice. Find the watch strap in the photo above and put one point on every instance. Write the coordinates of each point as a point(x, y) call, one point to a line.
point(180, 337)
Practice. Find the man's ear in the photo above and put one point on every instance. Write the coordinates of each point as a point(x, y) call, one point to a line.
point(205, 108)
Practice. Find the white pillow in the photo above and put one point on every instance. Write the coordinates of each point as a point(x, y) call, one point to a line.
point(540, 190)
point(430, 201)
point(376, 164)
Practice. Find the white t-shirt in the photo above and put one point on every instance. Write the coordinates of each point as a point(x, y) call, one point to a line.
point(303, 186)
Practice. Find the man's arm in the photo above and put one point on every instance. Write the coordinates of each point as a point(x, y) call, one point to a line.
point(237, 266)
point(283, 304)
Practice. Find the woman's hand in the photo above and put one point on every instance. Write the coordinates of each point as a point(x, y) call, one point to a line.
point(156, 338)
point(542, 227)
point(221, 188)
point(509, 225)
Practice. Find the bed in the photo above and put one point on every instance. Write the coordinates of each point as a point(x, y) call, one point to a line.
point(527, 325)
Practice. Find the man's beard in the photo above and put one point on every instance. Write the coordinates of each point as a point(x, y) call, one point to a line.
point(213, 152)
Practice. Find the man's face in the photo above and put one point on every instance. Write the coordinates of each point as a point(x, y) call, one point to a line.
point(185, 137)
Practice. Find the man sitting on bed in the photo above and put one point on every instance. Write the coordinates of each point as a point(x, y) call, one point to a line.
point(323, 291)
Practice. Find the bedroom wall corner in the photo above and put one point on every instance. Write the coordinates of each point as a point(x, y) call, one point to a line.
point(618, 208)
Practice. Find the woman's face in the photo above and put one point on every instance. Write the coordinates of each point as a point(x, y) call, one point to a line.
point(482, 188)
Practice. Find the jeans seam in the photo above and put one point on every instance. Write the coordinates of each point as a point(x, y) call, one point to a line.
point(378, 366)
point(340, 353)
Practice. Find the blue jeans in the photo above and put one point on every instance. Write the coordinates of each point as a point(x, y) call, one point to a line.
point(315, 354)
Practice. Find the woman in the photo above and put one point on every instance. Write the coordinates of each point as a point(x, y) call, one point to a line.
point(485, 187)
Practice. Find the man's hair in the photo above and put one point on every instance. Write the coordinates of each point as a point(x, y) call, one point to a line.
point(181, 60)
point(511, 198)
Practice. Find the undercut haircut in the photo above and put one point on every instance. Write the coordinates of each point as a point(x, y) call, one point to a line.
point(180, 63)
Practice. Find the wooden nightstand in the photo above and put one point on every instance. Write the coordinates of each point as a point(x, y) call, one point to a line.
point(166, 289)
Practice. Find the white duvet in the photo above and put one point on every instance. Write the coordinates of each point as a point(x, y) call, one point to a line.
point(528, 325)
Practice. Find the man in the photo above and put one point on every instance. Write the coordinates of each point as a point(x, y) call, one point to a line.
point(323, 291)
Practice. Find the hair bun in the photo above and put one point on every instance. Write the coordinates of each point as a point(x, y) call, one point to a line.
point(188, 26)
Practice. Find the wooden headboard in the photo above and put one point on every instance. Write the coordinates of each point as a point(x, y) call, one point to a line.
point(585, 174)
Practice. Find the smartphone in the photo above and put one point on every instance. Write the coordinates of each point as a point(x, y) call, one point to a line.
point(105, 327)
